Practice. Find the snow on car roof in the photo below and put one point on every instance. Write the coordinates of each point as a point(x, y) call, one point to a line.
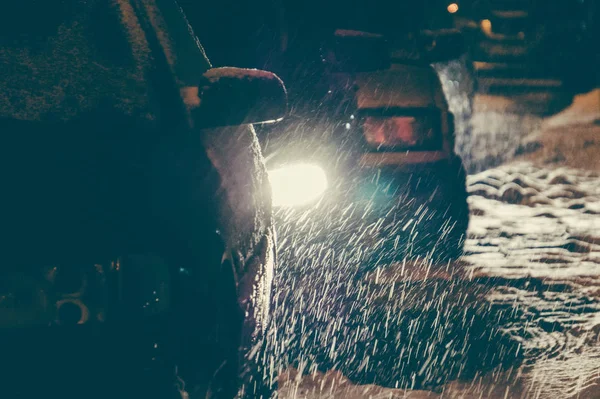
point(401, 86)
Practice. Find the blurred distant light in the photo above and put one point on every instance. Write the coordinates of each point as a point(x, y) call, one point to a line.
point(452, 8)
point(486, 26)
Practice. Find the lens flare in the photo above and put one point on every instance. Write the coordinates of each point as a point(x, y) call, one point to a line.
point(297, 184)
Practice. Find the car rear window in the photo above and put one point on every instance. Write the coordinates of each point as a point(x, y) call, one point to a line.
point(418, 129)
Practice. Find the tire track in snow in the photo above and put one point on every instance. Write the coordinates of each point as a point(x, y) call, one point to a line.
point(536, 232)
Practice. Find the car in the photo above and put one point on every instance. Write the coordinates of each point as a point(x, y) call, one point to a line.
point(285, 36)
point(138, 243)
point(370, 152)
point(367, 189)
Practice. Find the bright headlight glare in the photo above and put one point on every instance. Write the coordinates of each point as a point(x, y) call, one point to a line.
point(298, 184)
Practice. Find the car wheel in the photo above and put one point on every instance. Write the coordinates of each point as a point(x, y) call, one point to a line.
point(244, 316)
point(457, 212)
point(438, 207)
point(206, 323)
point(199, 331)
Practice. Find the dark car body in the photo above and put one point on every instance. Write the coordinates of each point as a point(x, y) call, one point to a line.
point(138, 248)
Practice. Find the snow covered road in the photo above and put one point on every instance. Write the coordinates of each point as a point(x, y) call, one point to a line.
point(529, 280)
point(537, 231)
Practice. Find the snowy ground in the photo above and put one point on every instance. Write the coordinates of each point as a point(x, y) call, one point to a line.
point(504, 128)
point(537, 231)
point(534, 244)
point(497, 132)
point(584, 110)
point(530, 279)
point(570, 138)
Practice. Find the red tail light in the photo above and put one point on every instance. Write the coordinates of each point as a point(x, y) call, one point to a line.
point(421, 132)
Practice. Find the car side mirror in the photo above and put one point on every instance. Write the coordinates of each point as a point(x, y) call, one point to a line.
point(441, 45)
point(356, 51)
point(234, 96)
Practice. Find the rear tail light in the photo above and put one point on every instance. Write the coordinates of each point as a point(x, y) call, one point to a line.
point(403, 132)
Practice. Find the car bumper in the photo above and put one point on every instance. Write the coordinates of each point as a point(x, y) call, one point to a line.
point(375, 160)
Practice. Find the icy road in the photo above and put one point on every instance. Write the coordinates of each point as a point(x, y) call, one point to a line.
point(519, 319)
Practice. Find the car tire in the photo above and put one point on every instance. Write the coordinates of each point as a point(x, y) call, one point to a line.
point(212, 335)
point(243, 373)
point(440, 236)
point(458, 211)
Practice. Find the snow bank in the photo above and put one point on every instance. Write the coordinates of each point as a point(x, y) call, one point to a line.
point(526, 219)
point(585, 109)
